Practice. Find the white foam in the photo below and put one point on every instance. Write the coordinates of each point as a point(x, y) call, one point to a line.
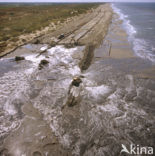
point(140, 46)
point(10, 108)
point(108, 108)
point(13, 87)
point(65, 140)
point(74, 71)
point(7, 126)
point(60, 49)
point(44, 48)
point(126, 22)
point(33, 58)
point(61, 55)
point(29, 71)
point(98, 90)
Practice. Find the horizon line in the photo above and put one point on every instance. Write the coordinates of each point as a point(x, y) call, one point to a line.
point(76, 1)
point(80, 2)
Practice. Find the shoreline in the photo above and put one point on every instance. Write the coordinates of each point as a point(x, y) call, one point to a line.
point(118, 37)
point(116, 48)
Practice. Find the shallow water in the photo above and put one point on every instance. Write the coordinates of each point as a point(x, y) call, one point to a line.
point(17, 80)
point(138, 21)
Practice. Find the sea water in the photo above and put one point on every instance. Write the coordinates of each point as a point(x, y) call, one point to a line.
point(139, 23)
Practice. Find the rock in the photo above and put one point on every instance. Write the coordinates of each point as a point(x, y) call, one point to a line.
point(19, 58)
point(61, 36)
point(76, 81)
point(42, 64)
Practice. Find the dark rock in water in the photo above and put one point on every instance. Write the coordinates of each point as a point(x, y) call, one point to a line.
point(19, 58)
point(76, 81)
point(42, 64)
point(61, 36)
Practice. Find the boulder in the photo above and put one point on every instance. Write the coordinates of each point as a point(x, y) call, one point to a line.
point(61, 36)
point(42, 64)
point(19, 58)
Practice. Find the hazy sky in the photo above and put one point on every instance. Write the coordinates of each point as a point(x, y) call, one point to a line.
point(77, 0)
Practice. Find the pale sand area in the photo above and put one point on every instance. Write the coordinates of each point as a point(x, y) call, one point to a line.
point(116, 47)
point(115, 44)
point(120, 50)
point(120, 47)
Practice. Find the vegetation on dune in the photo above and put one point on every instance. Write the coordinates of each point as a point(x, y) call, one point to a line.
point(17, 19)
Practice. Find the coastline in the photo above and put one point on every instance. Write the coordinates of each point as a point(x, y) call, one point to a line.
point(120, 46)
point(116, 42)
point(121, 49)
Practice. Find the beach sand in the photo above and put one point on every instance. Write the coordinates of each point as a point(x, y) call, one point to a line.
point(116, 43)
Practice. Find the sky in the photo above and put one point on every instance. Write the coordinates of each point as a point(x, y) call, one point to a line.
point(77, 0)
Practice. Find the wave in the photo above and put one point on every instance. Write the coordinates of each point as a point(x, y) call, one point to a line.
point(140, 46)
point(126, 22)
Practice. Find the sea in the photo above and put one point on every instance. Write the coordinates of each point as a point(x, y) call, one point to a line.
point(139, 23)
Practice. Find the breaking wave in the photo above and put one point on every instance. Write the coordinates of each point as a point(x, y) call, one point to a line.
point(140, 46)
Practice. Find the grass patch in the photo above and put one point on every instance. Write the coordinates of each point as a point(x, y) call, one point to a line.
point(17, 19)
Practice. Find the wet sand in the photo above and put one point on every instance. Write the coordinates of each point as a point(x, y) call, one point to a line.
point(116, 44)
point(120, 47)
point(117, 51)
